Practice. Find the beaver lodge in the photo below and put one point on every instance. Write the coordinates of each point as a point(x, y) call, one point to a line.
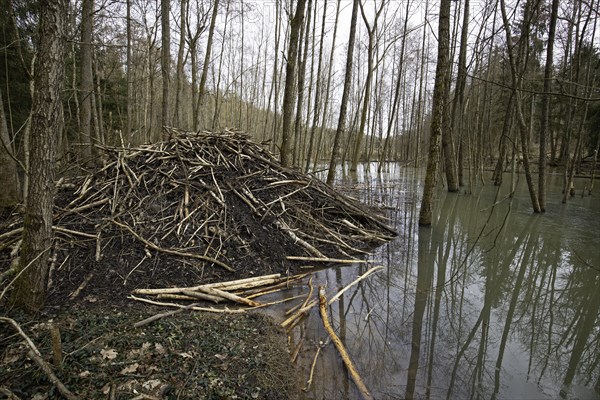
point(198, 208)
point(200, 217)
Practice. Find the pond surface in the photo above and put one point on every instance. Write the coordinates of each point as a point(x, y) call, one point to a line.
point(491, 302)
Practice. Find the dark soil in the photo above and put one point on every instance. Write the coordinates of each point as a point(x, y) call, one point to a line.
point(186, 356)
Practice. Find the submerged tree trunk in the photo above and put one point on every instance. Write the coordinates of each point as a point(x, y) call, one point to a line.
point(516, 82)
point(368, 81)
point(47, 124)
point(545, 116)
point(439, 90)
point(341, 126)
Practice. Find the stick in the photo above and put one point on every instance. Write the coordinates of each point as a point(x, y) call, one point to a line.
point(72, 232)
point(209, 309)
point(340, 346)
point(201, 296)
point(327, 260)
point(354, 282)
point(82, 286)
point(34, 354)
point(229, 285)
point(228, 296)
point(172, 252)
point(156, 317)
point(312, 370)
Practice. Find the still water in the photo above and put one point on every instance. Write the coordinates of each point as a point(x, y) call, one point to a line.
point(491, 302)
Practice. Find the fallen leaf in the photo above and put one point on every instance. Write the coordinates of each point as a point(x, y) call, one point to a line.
point(84, 374)
point(109, 354)
point(160, 349)
point(185, 355)
point(151, 384)
point(130, 369)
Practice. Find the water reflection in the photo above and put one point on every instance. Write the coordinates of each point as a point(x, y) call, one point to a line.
point(490, 302)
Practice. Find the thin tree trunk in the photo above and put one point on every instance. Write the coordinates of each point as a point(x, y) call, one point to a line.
point(47, 124)
point(368, 81)
point(301, 78)
point(87, 83)
point(327, 88)
point(165, 60)
point(180, 60)
point(439, 90)
point(129, 69)
point(341, 126)
point(459, 95)
point(516, 81)
point(10, 194)
point(545, 115)
point(392, 116)
point(289, 94)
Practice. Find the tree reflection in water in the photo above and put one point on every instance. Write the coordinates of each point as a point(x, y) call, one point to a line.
point(490, 302)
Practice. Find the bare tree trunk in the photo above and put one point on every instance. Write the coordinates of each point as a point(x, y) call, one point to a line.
point(301, 78)
point(87, 83)
point(47, 124)
point(165, 58)
point(368, 81)
point(394, 109)
point(459, 94)
point(207, 55)
point(545, 115)
point(10, 194)
point(341, 126)
point(289, 94)
point(516, 81)
point(129, 68)
point(217, 111)
point(328, 86)
point(439, 90)
point(180, 59)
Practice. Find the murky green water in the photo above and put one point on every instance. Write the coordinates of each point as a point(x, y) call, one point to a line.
point(490, 302)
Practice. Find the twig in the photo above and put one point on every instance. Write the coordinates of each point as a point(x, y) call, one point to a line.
point(354, 282)
point(340, 346)
point(172, 252)
point(9, 395)
point(327, 260)
point(34, 354)
point(82, 286)
point(209, 309)
point(156, 317)
point(312, 370)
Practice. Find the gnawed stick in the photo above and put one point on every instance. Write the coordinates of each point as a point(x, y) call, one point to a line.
point(195, 308)
point(340, 346)
point(229, 296)
point(354, 282)
point(327, 260)
point(230, 285)
point(202, 296)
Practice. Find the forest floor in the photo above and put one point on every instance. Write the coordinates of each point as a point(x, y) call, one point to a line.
point(189, 213)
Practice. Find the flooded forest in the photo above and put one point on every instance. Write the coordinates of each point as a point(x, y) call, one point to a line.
point(435, 163)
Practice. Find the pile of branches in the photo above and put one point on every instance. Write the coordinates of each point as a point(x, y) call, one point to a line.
point(203, 207)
